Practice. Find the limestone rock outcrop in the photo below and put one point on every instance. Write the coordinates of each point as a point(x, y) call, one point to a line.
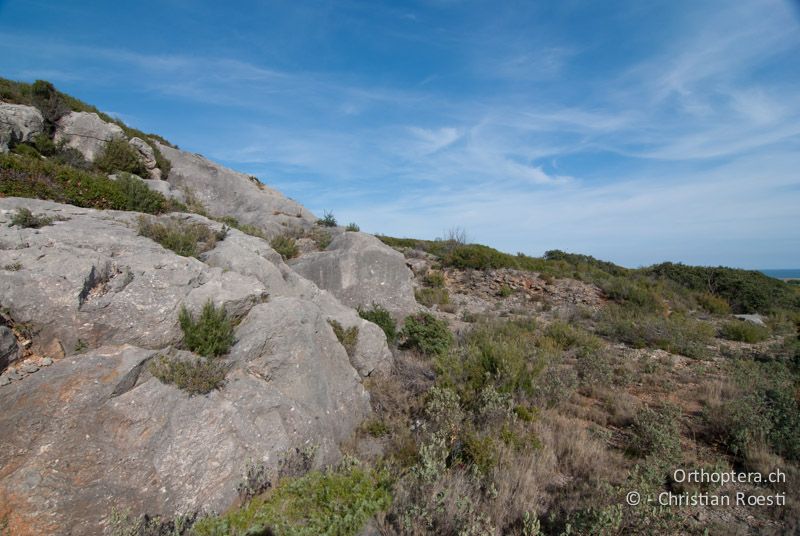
point(147, 156)
point(18, 123)
point(86, 132)
point(94, 430)
point(361, 270)
point(224, 192)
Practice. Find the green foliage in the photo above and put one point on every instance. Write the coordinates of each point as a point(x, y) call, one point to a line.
point(505, 291)
point(426, 333)
point(746, 291)
point(353, 227)
point(334, 503)
point(713, 304)
point(763, 410)
point(327, 220)
point(286, 246)
point(739, 330)
point(23, 149)
point(321, 237)
point(632, 291)
point(432, 296)
point(567, 336)
point(48, 179)
point(13, 266)
point(434, 279)
point(211, 335)
point(674, 333)
point(505, 355)
point(27, 220)
point(196, 376)
point(380, 316)
point(188, 239)
point(656, 433)
point(138, 197)
point(477, 257)
point(118, 155)
point(348, 337)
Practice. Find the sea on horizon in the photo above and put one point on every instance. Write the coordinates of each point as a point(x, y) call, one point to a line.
point(784, 273)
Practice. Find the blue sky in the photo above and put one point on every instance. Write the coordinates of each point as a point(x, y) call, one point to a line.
point(633, 131)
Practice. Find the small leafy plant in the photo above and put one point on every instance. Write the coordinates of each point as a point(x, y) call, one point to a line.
point(211, 335)
point(195, 376)
point(426, 333)
point(27, 220)
point(348, 337)
point(380, 316)
point(286, 246)
point(327, 220)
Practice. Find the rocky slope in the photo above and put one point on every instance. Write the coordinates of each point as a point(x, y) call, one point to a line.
point(87, 303)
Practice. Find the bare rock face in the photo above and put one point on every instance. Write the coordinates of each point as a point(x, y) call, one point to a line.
point(94, 430)
point(225, 192)
point(86, 132)
point(361, 270)
point(18, 123)
point(147, 156)
point(9, 350)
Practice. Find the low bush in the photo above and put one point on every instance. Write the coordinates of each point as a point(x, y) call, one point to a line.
point(196, 376)
point(251, 230)
point(23, 149)
point(675, 333)
point(352, 227)
point(348, 337)
point(63, 183)
point(567, 336)
point(138, 197)
point(713, 304)
point(285, 246)
point(336, 502)
point(211, 335)
point(434, 279)
point(28, 220)
point(743, 331)
point(188, 239)
point(432, 296)
point(118, 155)
point(383, 318)
point(327, 220)
point(426, 333)
point(320, 237)
point(656, 433)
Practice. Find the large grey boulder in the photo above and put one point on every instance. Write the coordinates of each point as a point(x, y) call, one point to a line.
point(224, 192)
point(18, 123)
point(87, 133)
point(361, 270)
point(147, 156)
point(9, 349)
point(95, 431)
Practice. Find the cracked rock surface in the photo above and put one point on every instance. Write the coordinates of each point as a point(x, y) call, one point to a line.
point(94, 430)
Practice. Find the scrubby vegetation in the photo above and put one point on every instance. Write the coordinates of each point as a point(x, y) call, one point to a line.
point(195, 376)
point(380, 316)
point(427, 334)
point(47, 179)
point(337, 502)
point(186, 238)
point(738, 330)
point(211, 335)
point(230, 221)
point(348, 337)
point(285, 246)
point(352, 227)
point(327, 220)
point(28, 220)
point(119, 156)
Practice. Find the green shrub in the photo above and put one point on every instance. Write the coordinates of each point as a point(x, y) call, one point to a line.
point(118, 155)
point(211, 335)
point(477, 257)
point(321, 238)
point(138, 197)
point(24, 149)
point(44, 145)
point(27, 220)
point(348, 337)
point(49, 179)
point(501, 354)
point(327, 220)
point(505, 291)
point(675, 333)
point(196, 376)
point(432, 296)
point(566, 336)
point(380, 316)
point(632, 291)
point(286, 246)
point(743, 331)
point(434, 279)
point(353, 227)
point(713, 304)
point(656, 433)
point(426, 333)
point(336, 502)
point(188, 239)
